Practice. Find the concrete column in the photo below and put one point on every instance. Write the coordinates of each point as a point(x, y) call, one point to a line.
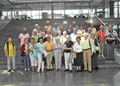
point(52, 9)
point(111, 4)
point(104, 9)
point(0, 10)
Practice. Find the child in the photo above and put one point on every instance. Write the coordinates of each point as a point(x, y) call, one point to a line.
point(24, 50)
point(10, 53)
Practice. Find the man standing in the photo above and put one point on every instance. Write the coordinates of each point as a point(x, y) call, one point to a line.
point(48, 26)
point(87, 46)
point(10, 53)
point(74, 35)
point(55, 28)
point(97, 26)
point(74, 25)
point(49, 49)
point(111, 36)
point(22, 36)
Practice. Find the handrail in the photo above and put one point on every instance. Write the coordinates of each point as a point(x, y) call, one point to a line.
point(100, 20)
point(5, 24)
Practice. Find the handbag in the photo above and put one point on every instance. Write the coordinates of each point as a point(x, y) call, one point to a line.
point(43, 58)
point(23, 53)
point(71, 57)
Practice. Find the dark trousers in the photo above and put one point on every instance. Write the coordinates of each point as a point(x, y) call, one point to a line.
point(94, 60)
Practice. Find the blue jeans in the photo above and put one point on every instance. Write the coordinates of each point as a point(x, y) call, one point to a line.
point(9, 63)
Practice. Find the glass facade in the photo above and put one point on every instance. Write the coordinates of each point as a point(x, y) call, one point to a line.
point(117, 9)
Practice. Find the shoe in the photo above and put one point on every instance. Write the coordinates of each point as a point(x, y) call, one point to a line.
point(98, 55)
point(66, 70)
point(14, 70)
point(57, 69)
point(90, 71)
point(9, 70)
point(28, 69)
point(25, 69)
point(42, 70)
point(77, 70)
point(70, 71)
point(38, 71)
point(96, 68)
point(103, 56)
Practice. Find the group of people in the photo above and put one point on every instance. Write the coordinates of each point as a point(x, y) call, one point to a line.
point(76, 45)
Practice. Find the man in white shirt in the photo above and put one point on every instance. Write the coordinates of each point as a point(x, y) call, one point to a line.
point(55, 28)
point(74, 35)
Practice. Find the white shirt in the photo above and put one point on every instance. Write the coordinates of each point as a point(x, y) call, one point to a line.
point(49, 35)
point(77, 47)
point(73, 37)
point(63, 39)
point(83, 31)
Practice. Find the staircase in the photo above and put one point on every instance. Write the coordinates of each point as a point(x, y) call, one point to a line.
point(14, 28)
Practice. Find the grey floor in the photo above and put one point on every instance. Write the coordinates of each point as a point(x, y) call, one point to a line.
point(102, 77)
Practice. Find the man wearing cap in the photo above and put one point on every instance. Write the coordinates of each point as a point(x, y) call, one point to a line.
point(87, 46)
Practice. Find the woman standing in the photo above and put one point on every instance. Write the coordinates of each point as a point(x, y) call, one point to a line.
point(24, 49)
point(79, 54)
point(41, 54)
point(68, 46)
point(81, 29)
point(35, 36)
point(101, 38)
point(69, 30)
point(33, 59)
point(57, 48)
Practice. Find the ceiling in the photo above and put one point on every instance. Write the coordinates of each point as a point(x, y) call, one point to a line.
point(39, 4)
point(47, 1)
point(4, 2)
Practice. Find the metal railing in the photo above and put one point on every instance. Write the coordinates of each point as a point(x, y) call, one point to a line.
point(3, 23)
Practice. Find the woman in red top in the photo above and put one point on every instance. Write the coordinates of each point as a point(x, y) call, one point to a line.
point(101, 36)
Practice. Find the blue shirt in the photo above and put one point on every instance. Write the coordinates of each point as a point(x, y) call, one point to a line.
point(41, 47)
point(69, 32)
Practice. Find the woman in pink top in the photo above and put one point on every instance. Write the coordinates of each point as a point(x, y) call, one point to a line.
point(101, 36)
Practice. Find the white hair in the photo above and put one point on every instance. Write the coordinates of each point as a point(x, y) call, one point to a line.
point(64, 32)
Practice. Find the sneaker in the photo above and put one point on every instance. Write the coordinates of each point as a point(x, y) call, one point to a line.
point(28, 69)
point(14, 70)
point(42, 70)
point(9, 70)
point(25, 69)
point(98, 55)
point(103, 56)
point(38, 71)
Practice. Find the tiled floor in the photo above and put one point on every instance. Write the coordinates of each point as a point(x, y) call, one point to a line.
point(102, 77)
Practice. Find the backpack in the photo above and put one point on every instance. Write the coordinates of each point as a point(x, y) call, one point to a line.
point(8, 46)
